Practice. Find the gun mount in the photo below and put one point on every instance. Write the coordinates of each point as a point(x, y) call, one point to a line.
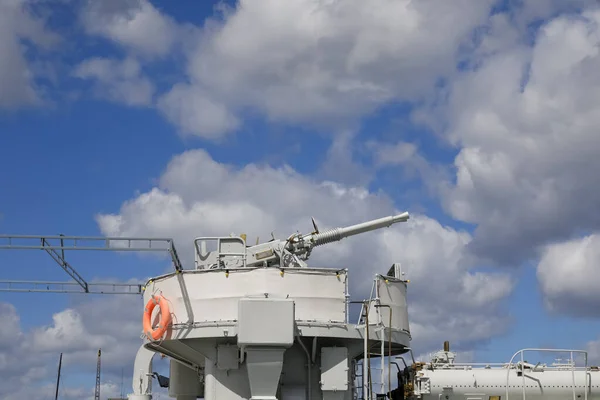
point(232, 252)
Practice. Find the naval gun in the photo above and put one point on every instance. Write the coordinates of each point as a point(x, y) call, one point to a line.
point(292, 252)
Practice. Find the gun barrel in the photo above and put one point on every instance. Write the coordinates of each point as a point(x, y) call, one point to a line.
point(337, 234)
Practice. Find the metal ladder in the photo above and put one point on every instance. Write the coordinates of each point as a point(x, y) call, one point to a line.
point(357, 379)
point(372, 371)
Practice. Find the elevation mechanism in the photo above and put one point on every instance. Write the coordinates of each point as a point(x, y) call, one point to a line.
point(56, 246)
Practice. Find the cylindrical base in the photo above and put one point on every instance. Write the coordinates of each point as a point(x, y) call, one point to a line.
point(139, 397)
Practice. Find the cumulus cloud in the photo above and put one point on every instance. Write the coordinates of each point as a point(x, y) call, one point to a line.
point(28, 359)
point(20, 30)
point(525, 122)
point(568, 273)
point(196, 113)
point(136, 25)
point(324, 63)
point(593, 349)
point(198, 196)
point(119, 81)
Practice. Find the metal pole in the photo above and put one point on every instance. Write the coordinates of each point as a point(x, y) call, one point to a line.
point(58, 376)
point(587, 374)
point(573, 375)
point(390, 348)
point(523, 374)
point(366, 358)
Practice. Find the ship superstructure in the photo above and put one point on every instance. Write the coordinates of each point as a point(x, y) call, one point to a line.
point(259, 323)
point(256, 322)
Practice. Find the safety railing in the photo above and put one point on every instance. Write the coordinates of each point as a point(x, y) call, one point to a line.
point(226, 249)
point(384, 382)
point(572, 368)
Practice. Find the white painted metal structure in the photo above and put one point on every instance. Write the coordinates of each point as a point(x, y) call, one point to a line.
point(443, 379)
point(256, 322)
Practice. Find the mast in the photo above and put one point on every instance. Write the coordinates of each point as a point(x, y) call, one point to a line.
point(58, 376)
point(97, 389)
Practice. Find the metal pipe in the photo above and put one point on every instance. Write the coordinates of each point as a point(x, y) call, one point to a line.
point(412, 355)
point(369, 380)
point(58, 376)
point(347, 297)
point(314, 349)
point(365, 381)
point(573, 375)
point(587, 374)
point(404, 362)
point(366, 359)
point(382, 357)
point(522, 374)
point(309, 369)
point(389, 346)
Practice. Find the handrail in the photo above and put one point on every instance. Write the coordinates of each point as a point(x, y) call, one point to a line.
point(218, 251)
point(366, 375)
point(389, 347)
point(522, 351)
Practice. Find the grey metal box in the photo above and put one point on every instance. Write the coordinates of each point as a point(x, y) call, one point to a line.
point(266, 322)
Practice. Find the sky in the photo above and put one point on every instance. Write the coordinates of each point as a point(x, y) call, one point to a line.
point(186, 119)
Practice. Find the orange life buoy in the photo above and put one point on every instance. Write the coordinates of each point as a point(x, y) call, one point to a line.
point(165, 317)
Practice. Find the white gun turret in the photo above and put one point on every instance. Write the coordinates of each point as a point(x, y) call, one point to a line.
point(294, 251)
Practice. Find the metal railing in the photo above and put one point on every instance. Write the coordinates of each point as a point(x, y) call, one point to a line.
point(56, 245)
point(521, 366)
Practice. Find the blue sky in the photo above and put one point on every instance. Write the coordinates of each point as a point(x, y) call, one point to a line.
point(153, 119)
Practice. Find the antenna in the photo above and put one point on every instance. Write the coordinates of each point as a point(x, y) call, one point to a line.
point(58, 376)
point(97, 391)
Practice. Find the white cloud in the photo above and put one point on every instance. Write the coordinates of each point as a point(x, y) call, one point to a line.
point(539, 10)
point(119, 81)
point(19, 27)
point(326, 63)
point(398, 153)
point(196, 113)
point(526, 122)
point(28, 359)
point(136, 25)
point(198, 196)
point(568, 273)
point(340, 165)
point(593, 349)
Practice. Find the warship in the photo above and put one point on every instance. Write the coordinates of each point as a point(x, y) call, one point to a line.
point(257, 322)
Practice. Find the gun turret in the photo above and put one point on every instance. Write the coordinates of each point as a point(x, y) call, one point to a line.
point(294, 251)
point(337, 234)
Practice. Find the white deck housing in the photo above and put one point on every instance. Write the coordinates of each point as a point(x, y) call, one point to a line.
point(269, 333)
